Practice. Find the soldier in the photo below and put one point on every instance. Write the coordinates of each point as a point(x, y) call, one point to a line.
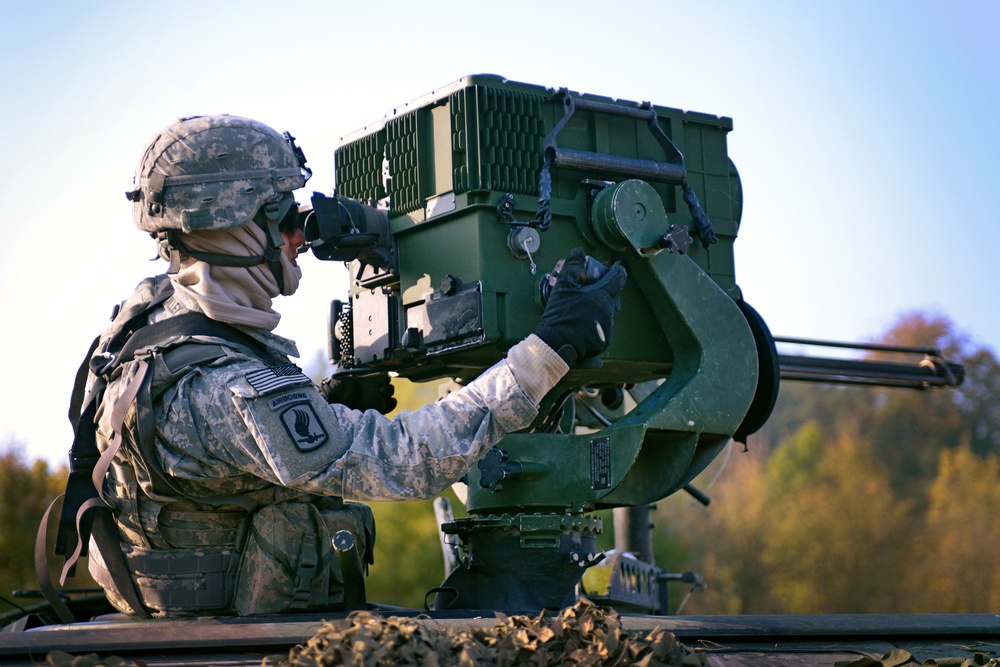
point(225, 468)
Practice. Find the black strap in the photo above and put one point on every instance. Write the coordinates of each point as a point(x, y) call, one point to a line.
point(188, 324)
point(268, 218)
point(83, 456)
point(217, 258)
point(80, 385)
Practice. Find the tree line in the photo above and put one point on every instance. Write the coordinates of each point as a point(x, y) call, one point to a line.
point(856, 500)
point(849, 500)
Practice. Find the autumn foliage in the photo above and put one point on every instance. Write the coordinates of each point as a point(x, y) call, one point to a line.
point(856, 500)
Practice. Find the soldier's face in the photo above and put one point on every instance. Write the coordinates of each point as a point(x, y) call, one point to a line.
point(293, 241)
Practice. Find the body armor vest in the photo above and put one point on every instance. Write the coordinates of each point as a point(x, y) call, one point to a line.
point(186, 551)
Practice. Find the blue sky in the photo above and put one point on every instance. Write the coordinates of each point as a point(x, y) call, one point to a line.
point(866, 135)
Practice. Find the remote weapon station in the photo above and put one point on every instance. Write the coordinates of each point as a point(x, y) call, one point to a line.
point(453, 213)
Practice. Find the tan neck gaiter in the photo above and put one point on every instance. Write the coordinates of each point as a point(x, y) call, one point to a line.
point(238, 295)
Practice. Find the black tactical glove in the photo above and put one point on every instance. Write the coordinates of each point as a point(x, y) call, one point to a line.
point(579, 315)
point(369, 392)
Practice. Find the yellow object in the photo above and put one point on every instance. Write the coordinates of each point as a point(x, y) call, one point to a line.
point(596, 580)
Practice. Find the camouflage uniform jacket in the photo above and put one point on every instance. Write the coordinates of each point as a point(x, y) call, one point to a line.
point(246, 427)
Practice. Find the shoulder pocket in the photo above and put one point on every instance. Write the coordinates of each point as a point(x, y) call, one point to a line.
point(293, 427)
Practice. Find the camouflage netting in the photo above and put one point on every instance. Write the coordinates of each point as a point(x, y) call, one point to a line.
point(583, 634)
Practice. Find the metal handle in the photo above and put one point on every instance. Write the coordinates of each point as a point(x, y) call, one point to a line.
point(618, 166)
point(672, 171)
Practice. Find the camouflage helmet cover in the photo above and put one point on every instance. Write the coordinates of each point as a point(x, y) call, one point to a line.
point(213, 172)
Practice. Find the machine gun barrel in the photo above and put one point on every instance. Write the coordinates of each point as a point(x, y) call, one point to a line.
point(930, 369)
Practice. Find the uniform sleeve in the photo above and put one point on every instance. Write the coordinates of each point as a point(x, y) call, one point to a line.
point(282, 431)
point(419, 454)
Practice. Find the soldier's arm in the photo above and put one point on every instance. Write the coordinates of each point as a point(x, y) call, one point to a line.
point(288, 435)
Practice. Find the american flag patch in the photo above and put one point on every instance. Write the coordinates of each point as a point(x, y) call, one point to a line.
point(272, 378)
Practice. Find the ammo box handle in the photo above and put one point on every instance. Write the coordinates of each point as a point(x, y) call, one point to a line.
point(673, 171)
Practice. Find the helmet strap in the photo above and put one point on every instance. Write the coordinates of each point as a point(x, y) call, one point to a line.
point(267, 218)
point(169, 248)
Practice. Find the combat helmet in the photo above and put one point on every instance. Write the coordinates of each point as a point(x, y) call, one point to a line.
point(214, 173)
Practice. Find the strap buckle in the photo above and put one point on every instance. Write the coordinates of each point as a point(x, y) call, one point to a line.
point(82, 463)
point(109, 360)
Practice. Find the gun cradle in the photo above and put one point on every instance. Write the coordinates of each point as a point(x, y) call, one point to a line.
point(659, 446)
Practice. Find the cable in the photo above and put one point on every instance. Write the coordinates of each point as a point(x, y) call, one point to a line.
point(722, 466)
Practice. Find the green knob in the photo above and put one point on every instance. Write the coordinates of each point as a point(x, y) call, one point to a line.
point(627, 215)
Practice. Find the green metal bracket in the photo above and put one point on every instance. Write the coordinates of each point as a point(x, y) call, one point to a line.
point(680, 427)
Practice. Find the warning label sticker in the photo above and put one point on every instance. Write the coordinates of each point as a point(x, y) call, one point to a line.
point(600, 463)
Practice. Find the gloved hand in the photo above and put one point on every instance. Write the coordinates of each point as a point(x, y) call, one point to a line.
point(370, 392)
point(579, 316)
